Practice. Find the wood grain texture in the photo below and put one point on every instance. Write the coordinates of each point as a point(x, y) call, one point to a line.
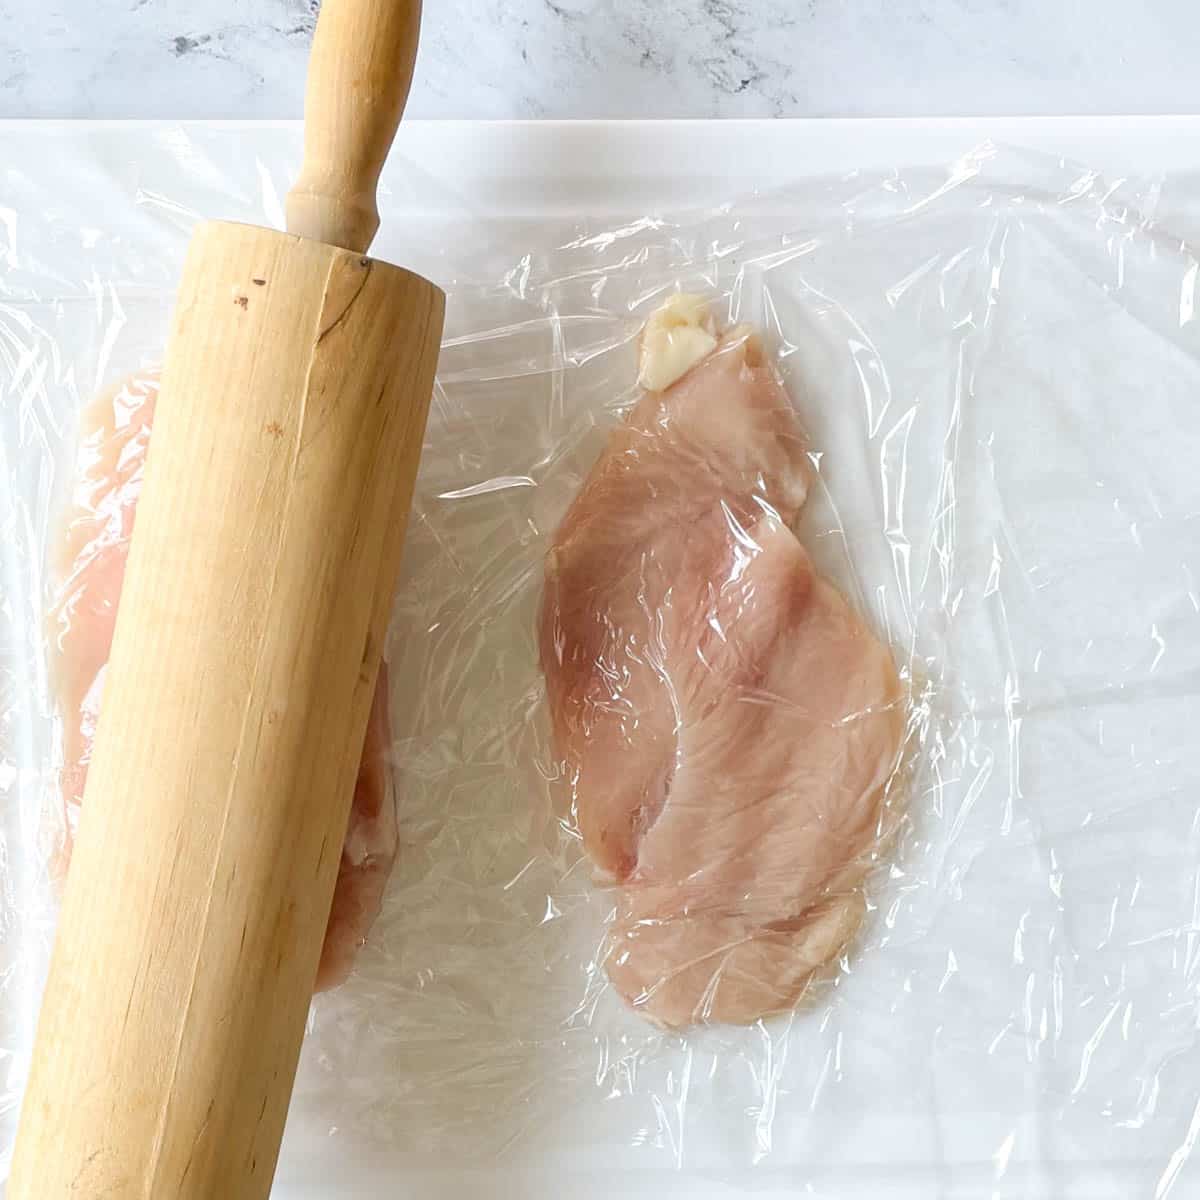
point(268, 539)
point(359, 74)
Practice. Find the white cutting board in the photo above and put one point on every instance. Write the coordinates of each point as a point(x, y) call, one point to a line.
point(442, 178)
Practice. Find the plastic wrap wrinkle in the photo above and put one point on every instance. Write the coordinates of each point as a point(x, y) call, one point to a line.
point(995, 368)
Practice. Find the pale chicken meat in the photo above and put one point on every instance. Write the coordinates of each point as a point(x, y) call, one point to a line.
point(90, 570)
point(728, 725)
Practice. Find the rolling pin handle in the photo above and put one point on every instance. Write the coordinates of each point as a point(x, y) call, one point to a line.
point(359, 74)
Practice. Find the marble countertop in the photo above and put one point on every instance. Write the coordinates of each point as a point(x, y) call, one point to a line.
point(618, 58)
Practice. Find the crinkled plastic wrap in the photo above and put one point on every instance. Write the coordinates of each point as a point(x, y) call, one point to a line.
point(993, 373)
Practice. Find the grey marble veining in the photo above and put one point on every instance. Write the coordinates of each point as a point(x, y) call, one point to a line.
point(618, 58)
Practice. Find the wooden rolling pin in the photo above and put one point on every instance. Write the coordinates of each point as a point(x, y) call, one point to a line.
point(294, 394)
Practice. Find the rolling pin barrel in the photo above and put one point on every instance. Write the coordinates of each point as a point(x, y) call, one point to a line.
point(248, 639)
point(269, 530)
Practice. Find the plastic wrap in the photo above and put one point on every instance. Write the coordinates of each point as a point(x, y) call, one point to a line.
point(995, 370)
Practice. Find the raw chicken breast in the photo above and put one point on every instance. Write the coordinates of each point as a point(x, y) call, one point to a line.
point(90, 572)
point(728, 724)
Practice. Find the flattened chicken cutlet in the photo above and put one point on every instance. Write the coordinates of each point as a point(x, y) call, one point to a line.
point(90, 570)
point(728, 723)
